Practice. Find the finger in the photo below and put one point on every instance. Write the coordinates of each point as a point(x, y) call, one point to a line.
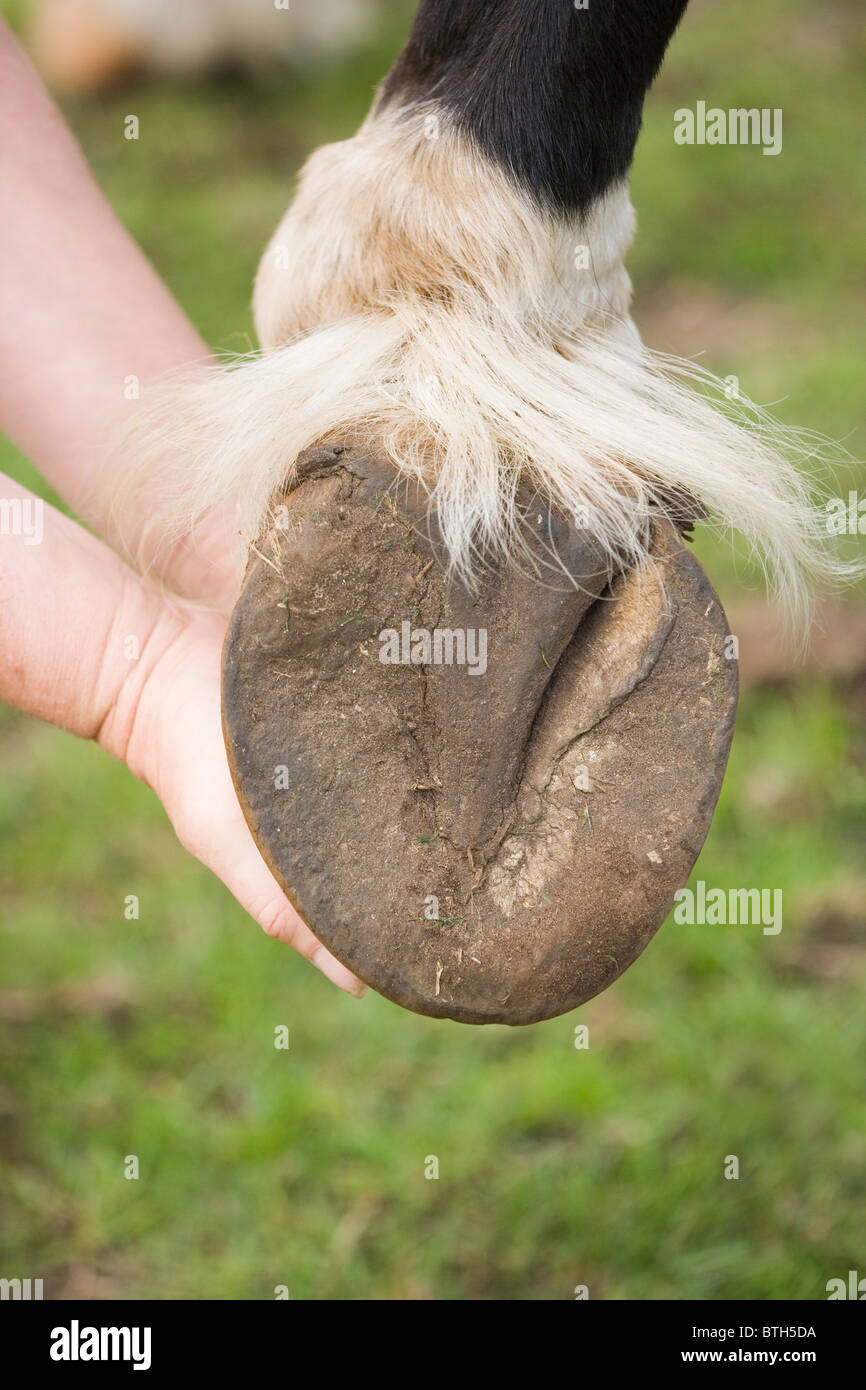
point(165, 725)
point(220, 838)
point(176, 746)
point(253, 885)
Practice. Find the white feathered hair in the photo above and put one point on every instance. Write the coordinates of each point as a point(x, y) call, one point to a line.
point(415, 299)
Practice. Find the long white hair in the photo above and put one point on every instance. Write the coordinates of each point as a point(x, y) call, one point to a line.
point(414, 299)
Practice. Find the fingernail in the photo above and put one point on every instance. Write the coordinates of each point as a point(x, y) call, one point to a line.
point(337, 973)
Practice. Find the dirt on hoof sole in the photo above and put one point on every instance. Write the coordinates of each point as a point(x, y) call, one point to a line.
point(496, 839)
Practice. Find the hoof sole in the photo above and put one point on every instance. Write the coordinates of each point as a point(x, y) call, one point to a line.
point(488, 845)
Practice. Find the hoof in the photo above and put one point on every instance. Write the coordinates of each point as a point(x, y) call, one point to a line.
point(496, 839)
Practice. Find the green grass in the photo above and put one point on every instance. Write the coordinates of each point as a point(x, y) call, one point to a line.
point(558, 1166)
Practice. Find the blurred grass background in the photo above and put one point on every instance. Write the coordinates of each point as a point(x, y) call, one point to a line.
point(557, 1166)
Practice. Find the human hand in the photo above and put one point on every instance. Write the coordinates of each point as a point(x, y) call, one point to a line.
point(166, 725)
point(68, 604)
point(92, 646)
